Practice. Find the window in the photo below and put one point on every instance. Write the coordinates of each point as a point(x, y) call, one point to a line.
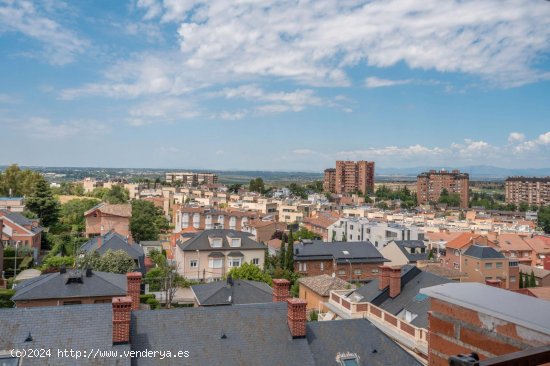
point(498, 264)
point(488, 265)
point(235, 262)
point(72, 302)
point(374, 270)
point(322, 266)
point(216, 242)
point(105, 301)
point(457, 252)
point(341, 272)
point(215, 262)
point(235, 242)
point(512, 278)
point(256, 261)
point(351, 227)
point(194, 263)
point(357, 272)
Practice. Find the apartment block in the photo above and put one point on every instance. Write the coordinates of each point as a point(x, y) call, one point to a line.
point(349, 177)
point(533, 191)
point(430, 185)
point(329, 180)
point(191, 178)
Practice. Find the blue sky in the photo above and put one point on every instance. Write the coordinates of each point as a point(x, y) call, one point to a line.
point(274, 85)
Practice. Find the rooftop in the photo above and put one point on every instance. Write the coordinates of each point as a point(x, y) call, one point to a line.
point(239, 292)
point(527, 311)
point(362, 251)
point(483, 252)
point(324, 284)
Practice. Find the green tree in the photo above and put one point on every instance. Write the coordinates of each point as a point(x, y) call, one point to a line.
point(116, 195)
point(71, 214)
point(282, 253)
point(297, 190)
point(526, 280)
point(257, 185)
point(43, 203)
point(117, 261)
point(147, 221)
point(452, 200)
point(544, 219)
point(532, 280)
point(234, 188)
point(249, 271)
point(304, 233)
point(16, 182)
point(54, 263)
point(290, 252)
point(521, 285)
point(316, 186)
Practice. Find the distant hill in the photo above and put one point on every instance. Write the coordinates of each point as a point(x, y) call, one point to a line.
point(479, 172)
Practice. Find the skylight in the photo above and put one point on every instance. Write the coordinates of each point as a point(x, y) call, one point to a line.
point(345, 252)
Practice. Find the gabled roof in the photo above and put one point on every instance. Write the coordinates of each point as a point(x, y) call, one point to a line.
point(460, 241)
point(538, 272)
point(512, 242)
point(413, 244)
point(358, 336)
point(113, 241)
point(483, 252)
point(241, 292)
point(412, 280)
point(342, 252)
point(21, 221)
point(322, 220)
point(55, 286)
point(324, 284)
point(78, 327)
point(255, 334)
point(122, 210)
point(201, 240)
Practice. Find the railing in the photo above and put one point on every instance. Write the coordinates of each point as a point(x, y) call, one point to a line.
point(354, 309)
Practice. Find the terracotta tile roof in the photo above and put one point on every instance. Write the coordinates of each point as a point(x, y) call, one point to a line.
point(274, 244)
point(442, 271)
point(539, 272)
point(444, 236)
point(122, 210)
point(260, 223)
point(540, 292)
point(323, 284)
point(539, 243)
point(461, 241)
point(512, 242)
point(322, 220)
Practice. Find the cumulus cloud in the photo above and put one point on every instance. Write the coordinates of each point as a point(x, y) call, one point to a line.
point(542, 141)
point(516, 137)
point(61, 45)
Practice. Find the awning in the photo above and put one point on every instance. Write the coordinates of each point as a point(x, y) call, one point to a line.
point(216, 254)
point(235, 254)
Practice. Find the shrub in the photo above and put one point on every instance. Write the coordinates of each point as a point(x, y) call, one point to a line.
point(5, 296)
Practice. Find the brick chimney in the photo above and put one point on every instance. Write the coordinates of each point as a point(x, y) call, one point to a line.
point(133, 288)
point(122, 307)
point(99, 241)
point(281, 290)
point(297, 317)
point(383, 277)
point(395, 281)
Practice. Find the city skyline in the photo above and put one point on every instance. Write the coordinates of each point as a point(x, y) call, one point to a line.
point(274, 86)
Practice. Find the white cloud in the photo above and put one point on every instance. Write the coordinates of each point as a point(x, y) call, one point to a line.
point(515, 137)
point(315, 42)
point(61, 45)
point(150, 31)
point(528, 146)
point(166, 110)
point(374, 82)
point(43, 128)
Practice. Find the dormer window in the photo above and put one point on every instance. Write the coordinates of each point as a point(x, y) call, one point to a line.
point(234, 242)
point(216, 242)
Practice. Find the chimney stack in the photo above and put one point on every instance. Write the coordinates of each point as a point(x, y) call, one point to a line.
point(395, 281)
point(383, 277)
point(297, 317)
point(122, 307)
point(99, 241)
point(281, 290)
point(133, 288)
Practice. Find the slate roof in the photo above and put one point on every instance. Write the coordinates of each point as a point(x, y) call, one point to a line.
point(483, 252)
point(241, 292)
point(114, 241)
point(359, 252)
point(414, 244)
point(77, 327)
point(21, 220)
point(358, 336)
point(412, 280)
point(254, 335)
point(201, 241)
point(55, 286)
point(324, 284)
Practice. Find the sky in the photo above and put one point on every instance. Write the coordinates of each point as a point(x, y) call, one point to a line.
point(274, 85)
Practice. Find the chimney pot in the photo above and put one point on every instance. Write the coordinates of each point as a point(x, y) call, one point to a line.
point(383, 277)
point(133, 288)
point(281, 290)
point(297, 309)
point(122, 307)
point(395, 281)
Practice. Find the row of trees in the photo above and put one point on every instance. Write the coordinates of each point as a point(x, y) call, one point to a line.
point(526, 280)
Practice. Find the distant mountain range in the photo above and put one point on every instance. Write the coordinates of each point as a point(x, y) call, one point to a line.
point(475, 171)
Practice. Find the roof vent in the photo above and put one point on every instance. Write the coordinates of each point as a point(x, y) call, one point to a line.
point(29, 338)
point(223, 336)
point(74, 276)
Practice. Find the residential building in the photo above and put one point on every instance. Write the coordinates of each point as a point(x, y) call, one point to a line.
point(329, 180)
point(72, 287)
point(209, 255)
point(431, 184)
point(542, 275)
point(232, 292)
point(320, 223)
point(530, 190)
point(202, 218)
point(401, 252)
point(450, 256)
point(263, 230)
point(473, 317)
point(113, 241)
point(106, 217)
point(16, 229)
point(315, 290)
point(13, 204)
point(191, 178)
point(350, 177)
point(357, 261)
point(484, 264)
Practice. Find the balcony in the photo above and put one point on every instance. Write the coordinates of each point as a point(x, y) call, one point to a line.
point(340, 306)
